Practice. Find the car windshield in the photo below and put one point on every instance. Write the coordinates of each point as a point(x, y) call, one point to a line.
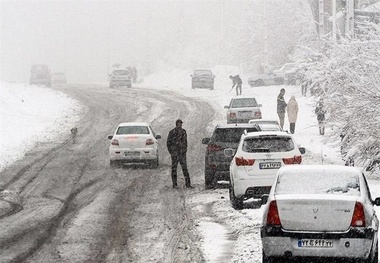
point(132, 130)
point(120, 72)
point(268, 144)
point(202, 73)
point(244, 103)
point(320, 182)
point(231, 135)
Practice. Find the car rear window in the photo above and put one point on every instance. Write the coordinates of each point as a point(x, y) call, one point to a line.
point(244, 102)
point(202, 73)
point(121, 72)
point(268, 144)
point(325, 182)
point(231, 135)
point(132, 130)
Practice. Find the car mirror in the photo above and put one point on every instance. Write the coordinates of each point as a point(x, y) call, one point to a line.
point(158, 136)
point(302, 150)
point(377, 201)
point(226, 107)
point(264, 199)
point(205, 140)
point(260, 105)
point(229, 152)
point(110, 137)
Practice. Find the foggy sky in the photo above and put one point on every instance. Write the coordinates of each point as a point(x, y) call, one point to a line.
point(83, 38)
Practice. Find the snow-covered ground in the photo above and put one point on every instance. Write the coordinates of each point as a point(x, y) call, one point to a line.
point(31, 115)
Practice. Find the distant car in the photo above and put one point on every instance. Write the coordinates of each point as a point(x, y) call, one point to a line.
point(40, 75)
point(289, 71)
point(265, 80)
point(59, 78)
point(242, 109)
point(267, 125)
point(134, 143)
point(320, 211)
point(217, 165)
point(256, 161)
point(120, 77)
point(203, 79)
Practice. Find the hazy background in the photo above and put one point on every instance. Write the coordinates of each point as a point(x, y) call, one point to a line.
point(84, 38)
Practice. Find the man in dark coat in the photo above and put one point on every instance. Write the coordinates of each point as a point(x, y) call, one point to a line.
point(177, 147)
point(281, 105)
point(320, 111)
point(236, 81)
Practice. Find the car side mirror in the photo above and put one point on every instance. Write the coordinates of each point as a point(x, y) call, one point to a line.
point(226, 107)
point(264, 199)
point(158, 136)
point(205, 140)
point(110, 137)
point(229, 152)
point(260, 105)
point(377, 201)
point(302, 150)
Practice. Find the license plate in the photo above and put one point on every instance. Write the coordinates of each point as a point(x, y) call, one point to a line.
point(245, 114)
point(132, 154)
point(315, 243)
point(276, 165)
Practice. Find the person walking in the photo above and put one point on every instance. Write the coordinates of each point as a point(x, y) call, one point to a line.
point(177, 147)
point(236, 82)
point(321, 112)
point(281, 105)
point(292, 110)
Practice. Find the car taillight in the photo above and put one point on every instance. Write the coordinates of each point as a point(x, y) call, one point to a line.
point(214, 148)
point(358, 217)
point(232, 115)
point(149, 142)
point(297, 159)
point(258, 114)
point(115, 142)
point(240, 161)
point(273, 218)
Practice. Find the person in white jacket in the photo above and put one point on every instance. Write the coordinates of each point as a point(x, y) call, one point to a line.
point(292, 113)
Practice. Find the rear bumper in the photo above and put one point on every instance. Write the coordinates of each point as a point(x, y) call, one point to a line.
point(254, 186)
point(354, 243)
point(144, 155)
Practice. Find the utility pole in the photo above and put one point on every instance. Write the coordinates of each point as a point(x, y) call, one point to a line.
point(333, 11)
point(265, 37)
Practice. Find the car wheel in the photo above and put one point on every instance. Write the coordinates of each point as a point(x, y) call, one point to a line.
point(237, 203)
point(209, 179)
point(266, 259)
point(259, 83)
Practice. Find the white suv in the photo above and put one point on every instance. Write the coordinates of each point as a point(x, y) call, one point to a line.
point(256, 162)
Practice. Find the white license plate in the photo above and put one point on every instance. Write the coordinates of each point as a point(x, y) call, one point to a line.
point(272, 165)
point(247, 115)
point(132, 154)
point(325, 243)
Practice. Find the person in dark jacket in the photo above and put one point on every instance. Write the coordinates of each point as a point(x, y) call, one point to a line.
point(321, 111)
point(236, 82)
point(177, 147)
point(281, 105)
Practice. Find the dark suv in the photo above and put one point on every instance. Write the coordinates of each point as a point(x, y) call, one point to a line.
point(202, 78)
point(217, 165)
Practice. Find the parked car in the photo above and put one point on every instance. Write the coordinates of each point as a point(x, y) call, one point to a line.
point(242, 109)
point(265, 80)
point(58, 78)
point(217, 165)
point(255, 164)
point(120, 77)
point(289, 72)
point(321, 211)
point(266, 124)
point(40, 75)
point(134, 142)
point(203, 79)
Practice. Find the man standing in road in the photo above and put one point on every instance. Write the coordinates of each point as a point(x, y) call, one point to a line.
point(236, 81)
point(177, 147)
point(281, 105)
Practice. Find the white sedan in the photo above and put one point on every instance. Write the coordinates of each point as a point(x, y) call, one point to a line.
point(321, 211)
point(134, 142)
